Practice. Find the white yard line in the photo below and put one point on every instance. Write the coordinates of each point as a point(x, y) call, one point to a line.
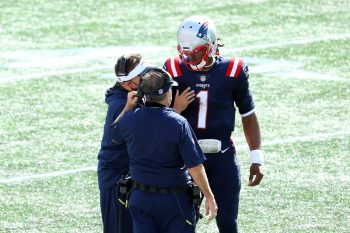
point(295, 42)
point(53, 73)
point(46, 175)
point(315, 137)
point(63, 60)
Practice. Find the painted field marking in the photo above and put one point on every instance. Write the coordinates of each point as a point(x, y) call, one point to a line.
point(76, 60)
point(315, 137)
point(46, 175)
point(53, 73)
point(295, 42)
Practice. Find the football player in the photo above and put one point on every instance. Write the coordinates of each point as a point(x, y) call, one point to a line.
point(211, 88)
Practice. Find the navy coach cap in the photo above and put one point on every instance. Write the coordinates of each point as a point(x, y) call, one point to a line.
point(161, 81)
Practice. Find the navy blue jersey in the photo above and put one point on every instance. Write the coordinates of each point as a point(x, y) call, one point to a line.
point(112, 155)
point(161, 146)
point(217, 91)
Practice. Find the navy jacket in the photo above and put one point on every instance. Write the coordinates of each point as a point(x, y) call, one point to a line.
point(113, 158)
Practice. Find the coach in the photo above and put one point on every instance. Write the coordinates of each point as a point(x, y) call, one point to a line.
point(163, 153)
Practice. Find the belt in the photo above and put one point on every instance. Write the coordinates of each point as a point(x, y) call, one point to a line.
point(153, 189)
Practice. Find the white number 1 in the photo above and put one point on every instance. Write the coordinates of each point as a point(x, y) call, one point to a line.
point(203, 108)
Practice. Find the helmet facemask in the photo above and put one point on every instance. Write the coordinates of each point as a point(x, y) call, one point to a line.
point(196, 58)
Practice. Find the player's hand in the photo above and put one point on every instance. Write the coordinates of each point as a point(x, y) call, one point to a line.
point(211, 206)
point(255, 175)
point(131, 101)
point(183, 100)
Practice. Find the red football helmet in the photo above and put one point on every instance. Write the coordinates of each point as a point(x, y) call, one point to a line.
point(197, 41)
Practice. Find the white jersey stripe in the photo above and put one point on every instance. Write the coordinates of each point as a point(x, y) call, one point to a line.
point(248, 113)
point(173, 68)
point(234, 68)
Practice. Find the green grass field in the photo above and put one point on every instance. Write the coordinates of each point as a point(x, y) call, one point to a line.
point(57, 58)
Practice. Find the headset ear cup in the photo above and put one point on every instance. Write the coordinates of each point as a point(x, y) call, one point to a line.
point(117, 69)
point(120, 67)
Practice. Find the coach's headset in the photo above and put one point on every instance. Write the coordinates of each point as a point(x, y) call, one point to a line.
point(121, 69)
point(142, 69)
point(168, 82)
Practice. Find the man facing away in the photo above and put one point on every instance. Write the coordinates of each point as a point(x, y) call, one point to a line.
point(163, 154)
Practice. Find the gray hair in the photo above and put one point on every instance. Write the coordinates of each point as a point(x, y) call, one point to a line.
point(152, 81)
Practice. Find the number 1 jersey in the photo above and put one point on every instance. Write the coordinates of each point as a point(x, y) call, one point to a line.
point(218, 92)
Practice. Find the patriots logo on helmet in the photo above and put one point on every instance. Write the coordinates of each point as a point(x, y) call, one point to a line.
point(203, 30)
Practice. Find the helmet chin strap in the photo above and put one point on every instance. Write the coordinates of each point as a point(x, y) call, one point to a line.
point(203, 65)
point(212, 62)
point(200, 66)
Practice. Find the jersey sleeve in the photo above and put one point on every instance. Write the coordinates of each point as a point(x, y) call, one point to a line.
point(243, 96)
point(172, 66)
point(190, 151)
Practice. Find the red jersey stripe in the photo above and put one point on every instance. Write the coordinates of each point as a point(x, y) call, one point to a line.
point(168, 67)
point(230, 66)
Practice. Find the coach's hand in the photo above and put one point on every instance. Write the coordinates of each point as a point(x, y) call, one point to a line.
point(131, 101)
point(255, 174)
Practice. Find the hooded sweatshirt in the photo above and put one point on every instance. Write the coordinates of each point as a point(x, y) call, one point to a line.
point(113, 158)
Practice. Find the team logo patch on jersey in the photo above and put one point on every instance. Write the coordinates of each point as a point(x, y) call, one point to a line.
point(203, 78)
point(245, 69)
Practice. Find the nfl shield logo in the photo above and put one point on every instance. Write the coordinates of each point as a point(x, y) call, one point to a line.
point(203, 78)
